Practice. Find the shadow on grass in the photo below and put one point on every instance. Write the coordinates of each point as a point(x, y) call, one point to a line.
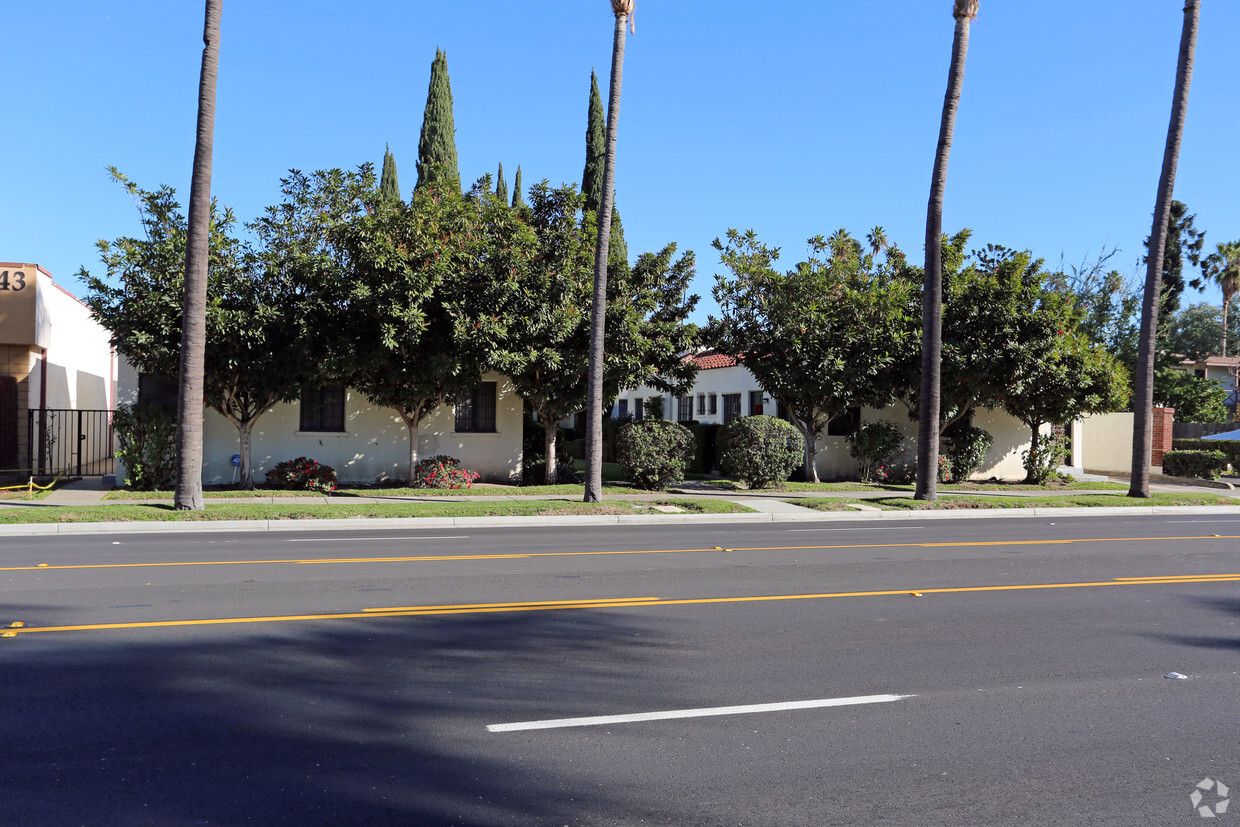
point(359, 722)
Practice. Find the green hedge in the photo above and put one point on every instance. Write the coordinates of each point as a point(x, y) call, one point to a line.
point(1204, 465)
point(1229, 447)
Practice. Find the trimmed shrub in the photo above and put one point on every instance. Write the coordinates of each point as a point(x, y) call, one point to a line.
point(442, 471)
point(966, 450)
point(872, 445)
point(147, 436)
point(1229, 447)
point(1204, 465)
point(302, 474)
point(761, 450)
point(654, 454)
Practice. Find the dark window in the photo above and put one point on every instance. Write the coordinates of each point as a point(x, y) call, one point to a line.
point(684, 409)
point(322, 408)
point(638, 410)
point(623, 410)
point(701, 404)
point(731, 407)
point(159, 391)
point(714, 404)
point(1201, 374)
point(755, 403)
point(475, 409)
point(845, 423)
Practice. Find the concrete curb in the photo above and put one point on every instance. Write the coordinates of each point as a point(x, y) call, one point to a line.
point(291, 526)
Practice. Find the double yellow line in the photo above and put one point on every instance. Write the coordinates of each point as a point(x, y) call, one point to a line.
point(611, 603)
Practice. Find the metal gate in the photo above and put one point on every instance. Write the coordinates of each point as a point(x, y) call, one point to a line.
point(70, 443)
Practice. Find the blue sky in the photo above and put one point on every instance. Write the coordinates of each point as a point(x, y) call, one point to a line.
point(791, 118)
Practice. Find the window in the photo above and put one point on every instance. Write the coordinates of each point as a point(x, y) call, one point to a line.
point(845, 423)
point(475, 409)
point(684, 409)
point(159, 391)
point(731, 407)
point(714, 404)
point(638, 413)
point(322, 408)
point(623, 409)
point(755, 403)
point(701, 404)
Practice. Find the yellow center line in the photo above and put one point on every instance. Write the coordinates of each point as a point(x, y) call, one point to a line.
point(604, 603)
point(531, 555)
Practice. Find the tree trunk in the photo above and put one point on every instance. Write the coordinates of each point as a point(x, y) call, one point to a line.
point(194, 307)
point(811, 449)
point(598, 309)
point(932, 291)
point(245, 433)
point(1143, 378)
point(1225, 303)
point(412, 425)
point(1030, 478)
point(550, 427)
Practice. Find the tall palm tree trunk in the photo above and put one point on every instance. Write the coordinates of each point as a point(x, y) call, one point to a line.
point(197, 250)
point(623, 10)
point(932, 292)
point(1143, 385)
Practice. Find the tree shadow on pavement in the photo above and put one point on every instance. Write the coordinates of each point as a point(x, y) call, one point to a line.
point(356, 722)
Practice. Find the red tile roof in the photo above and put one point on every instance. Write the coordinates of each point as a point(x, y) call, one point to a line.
point(710, 359)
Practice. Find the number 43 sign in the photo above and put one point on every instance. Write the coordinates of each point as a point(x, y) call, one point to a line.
point(12, 280)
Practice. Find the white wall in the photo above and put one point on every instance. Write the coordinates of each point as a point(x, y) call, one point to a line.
point(375, 445)
point(1011, 436)
point(80, 364)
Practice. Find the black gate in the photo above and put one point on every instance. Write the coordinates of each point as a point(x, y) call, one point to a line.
point(70, 443)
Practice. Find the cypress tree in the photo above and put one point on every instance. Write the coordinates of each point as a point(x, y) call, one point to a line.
point(516, 188)
point(501, 186)
point(596, 147)
point(389, 188)
point(437, 146)
point(618, 249)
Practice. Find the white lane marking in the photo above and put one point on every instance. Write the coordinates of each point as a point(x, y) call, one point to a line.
point(1200, 521)
point(880, 528)
point(694, 713)
point(363, 539)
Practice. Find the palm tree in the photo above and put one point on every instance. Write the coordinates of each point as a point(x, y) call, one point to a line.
point(1223, 268)
point(623, 11)
point(932, 292)
point(1143, 377)
point(194, 308)
point(877, 239)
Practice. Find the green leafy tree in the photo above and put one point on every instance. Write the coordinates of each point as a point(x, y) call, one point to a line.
point(255, 351)
point(1222, 267)
point(407, 329)
point(622, 11)
point(545, 317)
point(437, 159)
point(1143, 377)
point(1193, 333)
point(1108, 303)
point(823, 337)
point(1195, 398)
point(964, 11)
point(188, 495)
point(389, 185)
point(1071, 379)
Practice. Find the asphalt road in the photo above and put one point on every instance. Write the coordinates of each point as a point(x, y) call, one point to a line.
point(436, 677)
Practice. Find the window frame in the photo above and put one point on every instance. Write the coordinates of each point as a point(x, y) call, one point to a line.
point(474, 410)
point(321, 409)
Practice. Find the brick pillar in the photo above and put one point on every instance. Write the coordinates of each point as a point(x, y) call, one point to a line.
point(1163, 420)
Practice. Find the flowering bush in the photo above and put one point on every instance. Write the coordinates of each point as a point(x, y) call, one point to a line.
point(302, 474)
point(872, 446)
point(442, 472)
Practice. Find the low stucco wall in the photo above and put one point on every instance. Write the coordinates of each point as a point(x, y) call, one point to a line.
point(1003, 460)
point(1106, 443)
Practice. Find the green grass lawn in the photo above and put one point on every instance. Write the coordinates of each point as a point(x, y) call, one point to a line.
point(312, 511)
point(1075, 485)
point(949, 503)
point(349, 492)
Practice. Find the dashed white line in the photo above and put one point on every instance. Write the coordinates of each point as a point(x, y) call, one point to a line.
point(601, 720)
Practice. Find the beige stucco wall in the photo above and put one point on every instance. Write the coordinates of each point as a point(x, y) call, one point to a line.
point(1106, 443)
point(80, 364)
